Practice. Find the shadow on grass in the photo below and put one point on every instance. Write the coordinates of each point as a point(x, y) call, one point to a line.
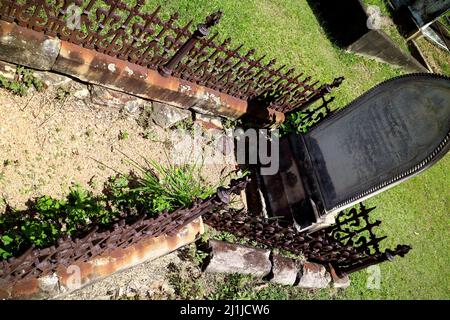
point(343, 22)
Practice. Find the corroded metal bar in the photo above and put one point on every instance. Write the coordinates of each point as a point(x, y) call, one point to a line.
point(125, 232)
point(201, 32)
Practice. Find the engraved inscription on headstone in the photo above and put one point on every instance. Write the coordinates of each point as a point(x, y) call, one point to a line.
point(379, 137)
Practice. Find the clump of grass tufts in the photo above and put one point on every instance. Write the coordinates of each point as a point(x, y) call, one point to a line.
point(168, 187)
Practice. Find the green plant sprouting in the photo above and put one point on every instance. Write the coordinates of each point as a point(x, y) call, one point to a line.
point(24, 79)
point(123, 135)
point(153, 189)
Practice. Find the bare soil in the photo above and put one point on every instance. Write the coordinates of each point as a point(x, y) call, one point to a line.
point(48, 144)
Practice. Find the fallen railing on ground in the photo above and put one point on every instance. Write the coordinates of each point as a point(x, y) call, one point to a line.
point(348, 245)
point(40, 262)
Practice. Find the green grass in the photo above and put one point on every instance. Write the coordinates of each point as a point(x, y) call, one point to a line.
point(415, 212)
point(437, 58)
point(288, 31)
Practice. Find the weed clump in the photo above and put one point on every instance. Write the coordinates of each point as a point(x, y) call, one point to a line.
point(155, 188)
point(24, 80)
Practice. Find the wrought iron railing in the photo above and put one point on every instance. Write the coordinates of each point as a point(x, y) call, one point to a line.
point(144, 38)
point(35, 262)
point(349, 245)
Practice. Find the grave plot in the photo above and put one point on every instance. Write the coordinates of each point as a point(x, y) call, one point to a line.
point(138, 173)
point(55, 139)
point(67, 151)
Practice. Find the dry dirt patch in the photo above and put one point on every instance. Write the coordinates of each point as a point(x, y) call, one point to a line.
point(48, 144)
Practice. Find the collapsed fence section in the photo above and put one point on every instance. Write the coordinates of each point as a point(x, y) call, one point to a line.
point(349, 245)
point(140, 36)
point(36, 262)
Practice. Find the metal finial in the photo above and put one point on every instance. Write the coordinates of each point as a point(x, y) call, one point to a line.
point(213, 19)
point(210, 21)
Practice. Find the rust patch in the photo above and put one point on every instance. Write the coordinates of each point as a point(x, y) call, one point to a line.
point(101, 69)
point(67, 275)
point(25, 288)
point(313, 267)
point(4, 293)
point(105, 265)
point(156, 79)
point(76, 59)
point(5, 28)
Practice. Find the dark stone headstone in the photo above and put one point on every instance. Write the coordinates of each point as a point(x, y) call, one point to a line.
point(426, 11)
point(347, 25)
point(388, 134)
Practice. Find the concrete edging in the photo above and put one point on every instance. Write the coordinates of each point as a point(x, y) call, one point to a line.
point(68, 279)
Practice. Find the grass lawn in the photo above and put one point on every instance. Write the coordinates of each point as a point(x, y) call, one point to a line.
point(288, 31)
point(415, 212)
point(438, 59)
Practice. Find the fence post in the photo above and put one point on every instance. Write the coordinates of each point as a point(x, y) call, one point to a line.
point(201, 32)
point(326, 89)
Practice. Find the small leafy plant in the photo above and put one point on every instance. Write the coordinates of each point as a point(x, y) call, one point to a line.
point(24, 80)
point(123, 135)
point(150, 135)
point(49, 219)
point(186, 125)
point(62, 93)
point(295, 123)
point(154, 189)
point(231, 123)
point(145, 118)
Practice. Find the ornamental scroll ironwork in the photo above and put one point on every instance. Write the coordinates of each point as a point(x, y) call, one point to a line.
point(134, 34)
point(354, 230)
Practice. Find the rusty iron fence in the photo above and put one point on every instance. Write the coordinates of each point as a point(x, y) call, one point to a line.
point(144, 38)
point(36, 262)
point(349, 245)
point(354, 231)
point(119, 30)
